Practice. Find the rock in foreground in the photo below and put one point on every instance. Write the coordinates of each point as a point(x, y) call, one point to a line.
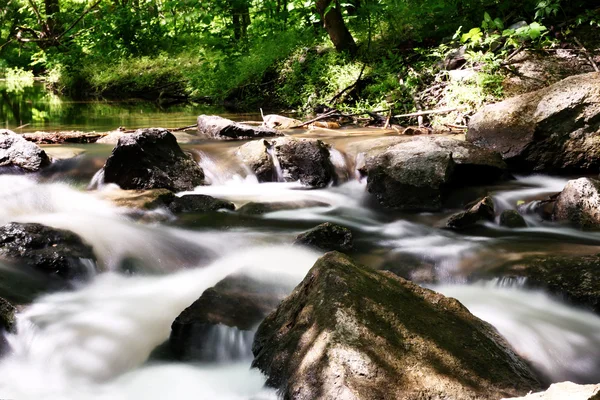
point(349, 332)
point(482, 211)
point(15, 151)
point(304, 160)
point(152, 159)
point(215, 127)
point(579, 204)
point(555, 129)
point(327, 237)
point(512, 219)
point(52, 251)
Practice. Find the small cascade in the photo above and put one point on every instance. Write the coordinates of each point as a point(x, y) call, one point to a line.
point(278, 172)
point(97, 181)
point(225, 343)
point(509, 282)
point(342, 169)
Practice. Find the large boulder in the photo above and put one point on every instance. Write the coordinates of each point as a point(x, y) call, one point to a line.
point(152, 159)
point(483, 210)
point(565, 391)
point(419, 174)
point(579, 204)
point(574, 278)
point(555, 129)
point(289, 159)
point(220, 324)
point(15, 151)
point(55, 252)
point(215, 127)
point(327, 237)
point(349, 332)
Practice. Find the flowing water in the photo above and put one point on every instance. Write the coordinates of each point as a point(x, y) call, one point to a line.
point(94, 342)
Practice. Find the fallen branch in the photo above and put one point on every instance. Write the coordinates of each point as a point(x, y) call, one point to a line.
point(183, 128)
point(460, 127)
point(350, 86)
point(429, 112)
point(587, 54)
point(320, 117)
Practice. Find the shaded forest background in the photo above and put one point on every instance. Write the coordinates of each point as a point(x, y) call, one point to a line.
point(280, 54)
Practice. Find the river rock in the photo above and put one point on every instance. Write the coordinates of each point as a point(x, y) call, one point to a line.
point(419, 174)
point(304, 160)
point(482, 211)
point(512, 219)
point(565, 391)
point(199, 203)
point(258, 208)
point(152, 159)
point(350, 332)
point(15, 151)
point(579, 204)
point(233, 308)
point(7, 316)
point(575, 278)
point(555, 129)
point(55, 252)
point(138, 199)
point(327, 237)
point(215, 127)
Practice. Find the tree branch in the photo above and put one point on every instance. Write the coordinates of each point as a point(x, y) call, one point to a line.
point(79, 19)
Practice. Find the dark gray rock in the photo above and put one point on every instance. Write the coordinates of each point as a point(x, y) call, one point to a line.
point(304, 160)
point(7, 316)
point(199, 203)
point(350, 332)
point(555, 129)
point(482, 211)
point(15, 151)
point(327, 237)
point(216, 127)
point(579, 204)
point(152, 159)
point(512, 219)
point(233, 308)
point(55, 252)
point(255, 208)
point(419, 174)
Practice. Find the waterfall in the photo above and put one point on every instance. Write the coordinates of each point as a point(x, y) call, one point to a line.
point(276, 165)
point(97, 180)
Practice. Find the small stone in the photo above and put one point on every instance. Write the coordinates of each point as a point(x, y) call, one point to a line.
point(327, 237)
point(512, 219)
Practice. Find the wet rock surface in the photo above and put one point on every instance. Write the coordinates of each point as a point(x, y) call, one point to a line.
point(483, 210)
point(304, 160)
point(234, 307)
point(199, 203)
point(256, 208)
point(17, 152)
point(512, 219)
point(152, 159)
point(579, 204)
point(215, 127)
point(555, 129)
point(349, 332)
point(55, 252)
point(574, 278)
point(327, 237)
point(565, 391)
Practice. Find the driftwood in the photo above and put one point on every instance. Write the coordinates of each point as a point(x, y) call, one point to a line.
point(428, 112)
point(329, 114)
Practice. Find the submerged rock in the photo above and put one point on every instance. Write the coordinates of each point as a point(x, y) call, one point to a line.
point(575, 278)
point(199, 203)
point(304, 160)
point(349, 332)
point(256, 208)
point(152, 159)
point(419, 174)
point(555, 129)
point(216, 127)
point(52, 251)
point(565, 391)
point(579, 204)
point(327, 237)
point(512, 219)
point(15, 151)
point(482, 211)
point(220, 324)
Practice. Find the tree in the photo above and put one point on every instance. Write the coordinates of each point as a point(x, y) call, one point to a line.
point(333, 22)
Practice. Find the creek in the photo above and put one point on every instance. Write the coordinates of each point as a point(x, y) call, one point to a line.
point(94, 342)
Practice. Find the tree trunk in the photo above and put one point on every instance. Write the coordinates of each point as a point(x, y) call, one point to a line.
point(52, 8)
point(240, 10)
point(333, 22)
